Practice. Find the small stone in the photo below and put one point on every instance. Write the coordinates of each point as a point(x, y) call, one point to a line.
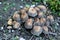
point(1, 28)
point(21, 38)
point(32, 5)
point(0, 2)
point(21, 6)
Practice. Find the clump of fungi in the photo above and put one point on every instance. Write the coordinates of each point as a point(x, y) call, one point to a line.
point(33, 18)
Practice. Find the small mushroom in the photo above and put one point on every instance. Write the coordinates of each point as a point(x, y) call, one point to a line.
point(42, 8)
point(29, 23)
point(24, 17)
point(50, 19)
point(40, 14)
point(26, 9)
point(9, 27)
point(37, 30)
point(36, 21)
point(42, 21)
point(32, 12)
point(9, 22)
point(16, 24)
point(16, 16)
point(37, 9)
point(45, 29)
point(22, 11)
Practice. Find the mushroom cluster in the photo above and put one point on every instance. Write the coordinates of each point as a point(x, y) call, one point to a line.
point(33, 18)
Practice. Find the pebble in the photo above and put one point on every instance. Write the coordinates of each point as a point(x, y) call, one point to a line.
point(32, 5)
point(1, 28)
point(21, 6)
point(21, 38)
point(0, 2)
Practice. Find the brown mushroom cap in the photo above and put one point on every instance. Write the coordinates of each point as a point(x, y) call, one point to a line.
point(42, 20)
point(50, 17)
point(41, 7)
point(9, 22)
point(29, 23)
point(24, 15)
point(26, 8)
point(16, 16)
point(23, 11)
point(16, 24)
point(37, 9)
point(45, 28)
point(32, 10)
point(37, 30)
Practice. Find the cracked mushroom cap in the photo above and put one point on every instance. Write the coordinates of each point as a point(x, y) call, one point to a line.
point(37, 30)
point(9, 22)
point(28, 23)
point(32, 12)
point(16, 16)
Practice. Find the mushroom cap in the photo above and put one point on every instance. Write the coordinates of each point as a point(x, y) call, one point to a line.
point(37, 30)
point(42, 8)
point(24, 15)
point(26, 8)
point(37, 9)
point(16, 24)
point(45, 29)
point(16, 16)
point(29, 23)
point(9, 27)
point(40, 14)
point(50, 17)
point(32, 12)
point(42, 20)
point(9, 22)
point(23, 11)
point(36, 21)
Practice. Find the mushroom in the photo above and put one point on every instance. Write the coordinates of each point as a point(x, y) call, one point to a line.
point(40, 14)
point(9, 22)
point(16, 24)
point(45, 29)
point(24, 17)
point(42, 8)
point(9, 27)
point(42, 21)
point(37, 30)
point(32, 12)
point(23, 11)
point(50, 19)
point(26, 8)
point(37, 9)
point(36, 21)
point(16, 16)
point(29, 23)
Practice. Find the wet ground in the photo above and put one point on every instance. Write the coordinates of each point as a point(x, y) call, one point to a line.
point(7, 8)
